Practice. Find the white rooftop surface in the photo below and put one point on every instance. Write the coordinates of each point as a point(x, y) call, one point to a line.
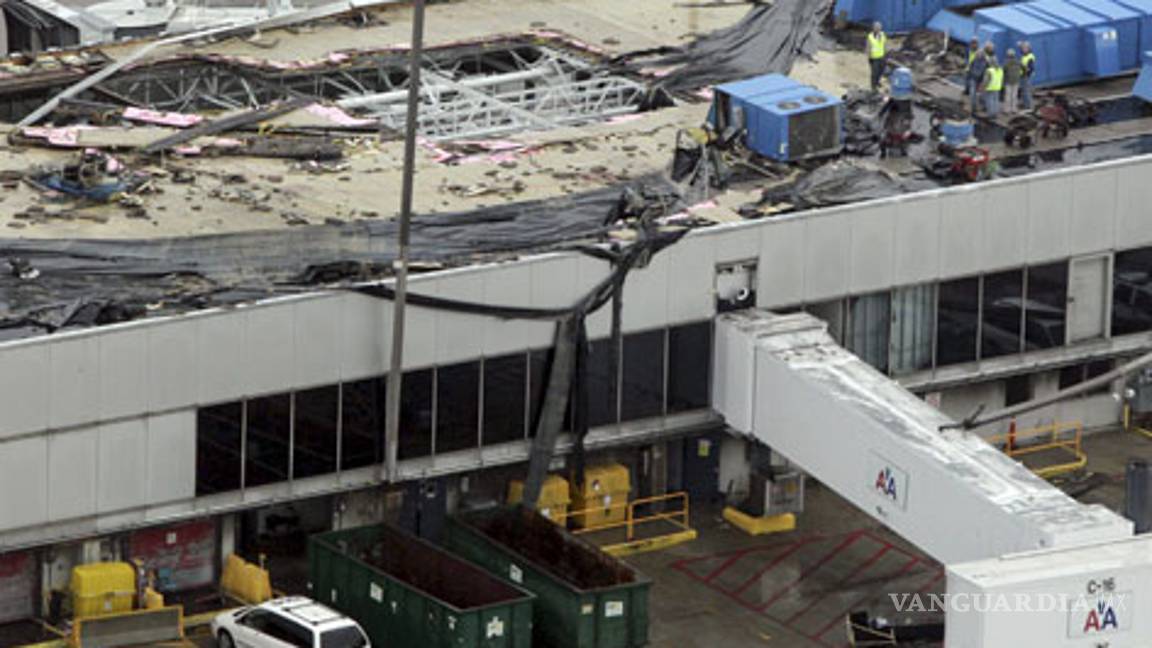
point(1025, 568)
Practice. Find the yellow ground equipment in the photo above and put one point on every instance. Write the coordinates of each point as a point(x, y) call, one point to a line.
point(113, 604)
point(603, 497)
point(103, 588)
point(753, 525)
point(649, 524)
point(554, 497)
point(1061, 440)
point(245, 582)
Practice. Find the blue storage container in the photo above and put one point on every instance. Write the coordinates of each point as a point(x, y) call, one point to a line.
point(1073, 39)
point(895, 15)
point(1143, 8)
point(784, 120)
point(1125, 22)
point(1098, 47)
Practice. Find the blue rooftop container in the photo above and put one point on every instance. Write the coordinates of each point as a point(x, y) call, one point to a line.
point(1142, 8)
point(1124, 21)
point(1055, 44)
point(895, 15)
point(785, 120)
point(1099, 45)
point(1073, 39)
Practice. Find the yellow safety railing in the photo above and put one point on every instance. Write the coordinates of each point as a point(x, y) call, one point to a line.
point(678, 515)
point(1063, 437)
point(1131, 426)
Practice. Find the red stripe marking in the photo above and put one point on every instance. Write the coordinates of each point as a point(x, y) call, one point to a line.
point(724, 566)
point(843, 582)
point(840, 617)
point(775, 561)
point(853, 537)
point(935, 579)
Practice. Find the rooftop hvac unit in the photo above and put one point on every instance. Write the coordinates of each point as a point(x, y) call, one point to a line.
point(780, 118)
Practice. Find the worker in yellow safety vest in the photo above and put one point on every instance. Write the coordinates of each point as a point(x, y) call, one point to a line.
point(877, 50)
point(1028, 61)
point(993, 85)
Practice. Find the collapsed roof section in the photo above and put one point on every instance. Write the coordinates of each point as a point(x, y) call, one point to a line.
point(469, 90)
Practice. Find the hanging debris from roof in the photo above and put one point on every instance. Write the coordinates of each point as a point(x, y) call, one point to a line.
point(768, 39)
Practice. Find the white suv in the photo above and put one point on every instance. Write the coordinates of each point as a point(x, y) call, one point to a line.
point(293, 622)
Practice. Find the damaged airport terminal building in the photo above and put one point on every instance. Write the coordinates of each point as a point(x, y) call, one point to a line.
point(198, 238)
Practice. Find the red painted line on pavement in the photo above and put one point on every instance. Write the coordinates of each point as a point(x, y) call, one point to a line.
point(935, 579)
point(724, 566)
point(848, 541)
point(775, 561)
point(840, 617)
point(843, 582)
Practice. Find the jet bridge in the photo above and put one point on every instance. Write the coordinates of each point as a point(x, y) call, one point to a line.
point(782, 380)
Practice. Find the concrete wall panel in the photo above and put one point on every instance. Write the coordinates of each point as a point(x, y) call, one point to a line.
point(554, 281)
point(510, 285)
point(317, 332)
point(122, 471)
point(172, 360)
point(123, 382)
point(72, 458)
point(1005, 216)
point(916, 241)
point(24, 482)
point(456, 336)
point(691, 278)
point(1094, 204)
point(269, 347)
point(961, 234)
point(171, 460)
point(873, 234)
point(419, 325)
point(646, 296)
point(74, 396)
point(1133, 201)
point(591, 272)
point(1049, 219)
point(826, 253)
point(220, 351)
point(365, 337)
point(24, 388)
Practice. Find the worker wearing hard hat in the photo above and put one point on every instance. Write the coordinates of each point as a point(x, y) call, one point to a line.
point(877, 50)
point(1013, 75)
point(973, 54)
point(992, 87)
point(1028, 61)
point(977, 68)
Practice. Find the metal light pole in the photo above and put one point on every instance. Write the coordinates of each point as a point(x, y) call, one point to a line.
point(395, 371)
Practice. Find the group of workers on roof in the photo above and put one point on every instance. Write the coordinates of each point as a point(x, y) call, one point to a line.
point(987, 82)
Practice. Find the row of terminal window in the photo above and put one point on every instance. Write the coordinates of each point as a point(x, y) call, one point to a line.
point(448, 408)
point(992, 315)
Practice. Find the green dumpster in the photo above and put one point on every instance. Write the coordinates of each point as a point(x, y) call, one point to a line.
point(584, 597)
point(407, 593)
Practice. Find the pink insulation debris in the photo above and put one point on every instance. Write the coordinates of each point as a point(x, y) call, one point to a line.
point(337, 115)
point(178, 120)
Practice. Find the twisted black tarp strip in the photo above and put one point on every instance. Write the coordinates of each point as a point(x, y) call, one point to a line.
point(769, 38)
point(567, 377)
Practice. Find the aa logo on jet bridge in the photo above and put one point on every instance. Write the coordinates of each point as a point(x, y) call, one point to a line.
point(889, 481)
point(1096, 617)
